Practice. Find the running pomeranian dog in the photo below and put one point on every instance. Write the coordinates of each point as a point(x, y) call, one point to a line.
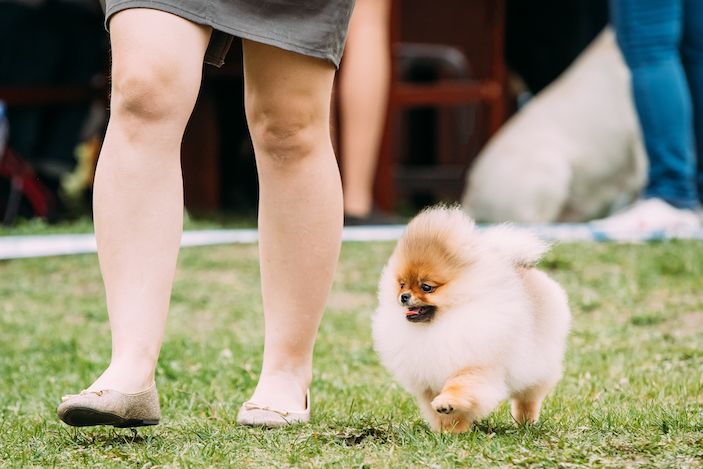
point(466, 321)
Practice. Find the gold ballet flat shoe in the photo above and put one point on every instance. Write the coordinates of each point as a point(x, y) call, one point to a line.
point(254, 414)
point(110, 407)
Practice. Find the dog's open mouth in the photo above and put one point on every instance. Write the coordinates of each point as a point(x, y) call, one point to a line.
point(420, 313)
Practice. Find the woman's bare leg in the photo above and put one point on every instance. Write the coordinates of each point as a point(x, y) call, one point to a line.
point(138, 200)
point(364, 82)
point(287, 101)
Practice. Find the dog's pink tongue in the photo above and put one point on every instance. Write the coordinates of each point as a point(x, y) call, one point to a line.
point(412, 311)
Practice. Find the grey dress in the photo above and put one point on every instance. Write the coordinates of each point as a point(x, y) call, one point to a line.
point(316, 28)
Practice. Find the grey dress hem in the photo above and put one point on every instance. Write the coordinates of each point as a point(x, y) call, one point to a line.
point(222, 34)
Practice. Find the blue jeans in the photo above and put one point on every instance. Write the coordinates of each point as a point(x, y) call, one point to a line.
point(662, 42)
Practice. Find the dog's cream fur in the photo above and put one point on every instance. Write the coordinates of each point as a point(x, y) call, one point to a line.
point(574, 153)
point(500, 326)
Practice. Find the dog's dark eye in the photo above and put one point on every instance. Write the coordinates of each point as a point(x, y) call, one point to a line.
point(427, 288)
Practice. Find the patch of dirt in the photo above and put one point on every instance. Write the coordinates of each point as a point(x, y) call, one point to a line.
point(685, 325)
point(692, 322)
point(343, 300)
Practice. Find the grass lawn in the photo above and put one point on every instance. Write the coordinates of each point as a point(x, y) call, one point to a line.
point(632, 394)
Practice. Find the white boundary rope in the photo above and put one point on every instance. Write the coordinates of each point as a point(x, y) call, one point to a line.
point(15, 247)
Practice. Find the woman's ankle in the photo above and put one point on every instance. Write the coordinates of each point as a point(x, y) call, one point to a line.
point(125, 377)
point(282, 389)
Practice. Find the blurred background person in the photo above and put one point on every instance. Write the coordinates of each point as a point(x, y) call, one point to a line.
point(542, 39)
point(662, 42)
point(364, 84)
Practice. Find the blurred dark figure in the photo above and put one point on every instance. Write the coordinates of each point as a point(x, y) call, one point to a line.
point(50, 42)
point(543, 37)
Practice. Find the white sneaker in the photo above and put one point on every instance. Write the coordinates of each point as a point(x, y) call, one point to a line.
point(649, 215)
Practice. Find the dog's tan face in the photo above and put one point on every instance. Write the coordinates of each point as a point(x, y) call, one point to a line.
point(425, 268)
point(418, 289)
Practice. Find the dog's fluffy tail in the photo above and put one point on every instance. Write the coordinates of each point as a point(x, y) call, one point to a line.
point(519, 246)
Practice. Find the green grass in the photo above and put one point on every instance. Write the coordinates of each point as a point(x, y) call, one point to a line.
point(632, 394)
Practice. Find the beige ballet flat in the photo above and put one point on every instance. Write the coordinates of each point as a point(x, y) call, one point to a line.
point(109, 407)
point(254, 414)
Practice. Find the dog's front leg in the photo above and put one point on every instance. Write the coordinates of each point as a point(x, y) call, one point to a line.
point(424, 401)
point(468, 395)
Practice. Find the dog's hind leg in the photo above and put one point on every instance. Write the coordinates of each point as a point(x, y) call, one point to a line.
point(525, 406)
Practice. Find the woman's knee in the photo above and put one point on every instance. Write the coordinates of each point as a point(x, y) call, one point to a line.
point(284, 133)
point(153, 92)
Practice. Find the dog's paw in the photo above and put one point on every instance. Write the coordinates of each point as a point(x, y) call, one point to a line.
point(443, 405)
point(445, 409)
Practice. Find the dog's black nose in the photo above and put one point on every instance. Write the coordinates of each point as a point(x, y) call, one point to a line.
point(404, 298)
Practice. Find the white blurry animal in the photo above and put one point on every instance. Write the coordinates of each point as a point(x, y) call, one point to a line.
point(572, 154)
point(465, 321)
